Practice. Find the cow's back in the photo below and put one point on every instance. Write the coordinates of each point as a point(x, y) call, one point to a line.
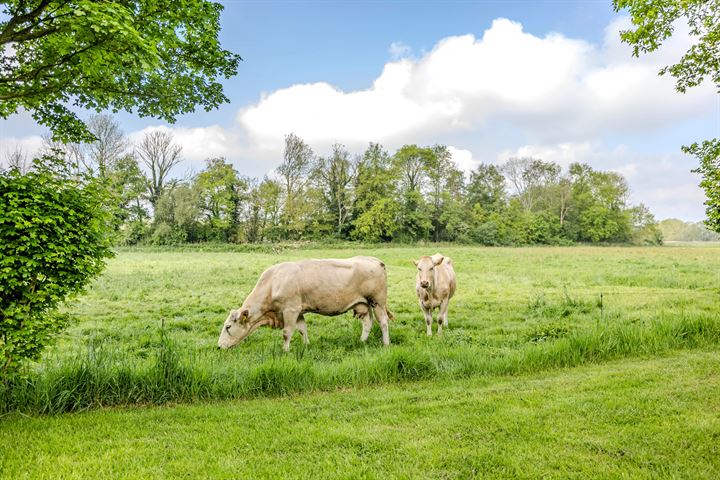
point(330, 286)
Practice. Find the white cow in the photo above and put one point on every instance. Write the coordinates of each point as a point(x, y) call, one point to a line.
point(435, 285)
point(287, 290)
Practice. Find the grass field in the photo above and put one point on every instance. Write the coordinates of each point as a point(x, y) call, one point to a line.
point(516, 311)
point(559, 362)
point(651, 418)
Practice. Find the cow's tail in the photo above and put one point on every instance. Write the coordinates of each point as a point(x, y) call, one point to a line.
point(389, 313)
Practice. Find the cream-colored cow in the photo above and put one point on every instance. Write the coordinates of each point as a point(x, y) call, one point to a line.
point(435, 285)
point(288, 290)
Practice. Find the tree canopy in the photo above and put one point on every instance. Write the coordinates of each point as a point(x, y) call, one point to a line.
point(147, 56)
point(654, 22)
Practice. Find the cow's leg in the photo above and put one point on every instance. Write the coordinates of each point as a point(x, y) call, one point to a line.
point(382, 318)
point(290, 322)
point(362, 312)
point(366, 320)
point(427, 312)
point(302, 328)
point(442, 316)
point(444, 312)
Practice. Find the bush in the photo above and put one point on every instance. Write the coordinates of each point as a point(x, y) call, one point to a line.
point(54, 238)
point(164, 234)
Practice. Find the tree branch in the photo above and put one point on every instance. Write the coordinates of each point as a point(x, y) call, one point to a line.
point(7, 33)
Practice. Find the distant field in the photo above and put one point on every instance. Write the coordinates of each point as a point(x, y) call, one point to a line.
point(651, 418)
point(517, 310)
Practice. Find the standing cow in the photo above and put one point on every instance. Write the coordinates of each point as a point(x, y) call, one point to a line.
point(288, 290)
point(435, 286)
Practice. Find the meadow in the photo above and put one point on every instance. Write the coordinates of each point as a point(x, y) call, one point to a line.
point(146, 330)
point(558, 361)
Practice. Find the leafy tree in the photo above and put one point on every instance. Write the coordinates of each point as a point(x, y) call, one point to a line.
point(53, 241)
point(220, 191)
point(599, 209)
point(454, 220)
point(127, 185)
point(411, 162)
point(646, 230)
point(529, 176)
point(176, 214)
point(375, 179)
point(264, 210)
point(414, 218)
point(446, 185)
point(112, 55)
point(487, 188)
point(294, 169)
point(335, 177)
point(676, 230)
point(709, 154)
point(375, 209)
point(379, 223)
point(653, 22)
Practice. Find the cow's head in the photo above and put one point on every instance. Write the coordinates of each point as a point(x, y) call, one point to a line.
point(426, 271)
point(237, 326)
point(242, 322)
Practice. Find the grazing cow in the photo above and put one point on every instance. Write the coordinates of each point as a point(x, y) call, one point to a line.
point(288, 290)
point(435, 286)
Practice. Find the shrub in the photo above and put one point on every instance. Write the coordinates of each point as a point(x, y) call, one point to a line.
point(54, 238)
point(164, 234)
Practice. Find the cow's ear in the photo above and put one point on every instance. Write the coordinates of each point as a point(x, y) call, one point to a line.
point(438, 260)
point(415, 262)
point(244, 313)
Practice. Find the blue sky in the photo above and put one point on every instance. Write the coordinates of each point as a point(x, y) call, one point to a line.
point(492, 79)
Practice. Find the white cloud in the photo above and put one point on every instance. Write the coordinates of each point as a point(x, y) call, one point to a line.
point(29, 146)
point(504, 93)
point(463, 159)
point(554, 87)
point(197, 143)
point(399, 50)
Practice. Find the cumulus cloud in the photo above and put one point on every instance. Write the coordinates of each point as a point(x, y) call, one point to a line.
point(552, 87)
point(464, 159)
point(504, 93)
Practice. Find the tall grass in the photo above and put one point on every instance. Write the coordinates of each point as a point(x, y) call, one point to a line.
point(104, 376)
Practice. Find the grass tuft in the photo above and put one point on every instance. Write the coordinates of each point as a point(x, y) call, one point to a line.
point(105, 377)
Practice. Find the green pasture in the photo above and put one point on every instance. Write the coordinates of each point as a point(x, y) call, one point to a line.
point(146, 330)
point(506, 297)
point(651, 418)
point(574, 362)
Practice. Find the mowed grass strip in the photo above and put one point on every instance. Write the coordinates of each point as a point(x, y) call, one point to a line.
point(649, 418)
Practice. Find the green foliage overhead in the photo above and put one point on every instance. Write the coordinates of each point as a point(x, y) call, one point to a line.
point(709, 154)
point(53, 240)
point(653, 22)
point(157, 58)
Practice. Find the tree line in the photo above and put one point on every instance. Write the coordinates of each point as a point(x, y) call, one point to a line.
point(415, 194)
point(675, 230)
